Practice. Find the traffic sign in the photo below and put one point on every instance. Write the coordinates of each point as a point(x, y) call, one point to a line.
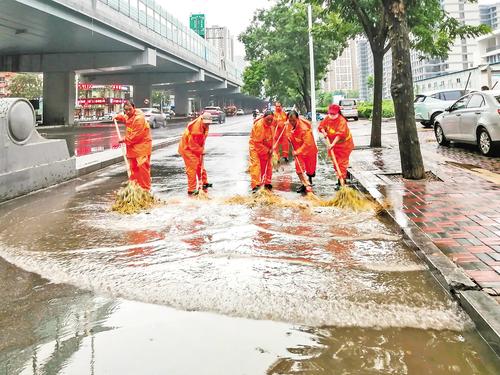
point(197, 24)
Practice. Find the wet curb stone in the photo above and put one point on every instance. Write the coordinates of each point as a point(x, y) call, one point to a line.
point(482, 308)
point(106, 161)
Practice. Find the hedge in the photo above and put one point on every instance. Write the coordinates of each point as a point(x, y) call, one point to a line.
point(365, 109)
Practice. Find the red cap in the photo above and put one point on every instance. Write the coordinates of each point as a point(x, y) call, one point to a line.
point(333, 109)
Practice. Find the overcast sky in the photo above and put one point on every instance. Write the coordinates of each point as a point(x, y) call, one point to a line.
point(234, 14)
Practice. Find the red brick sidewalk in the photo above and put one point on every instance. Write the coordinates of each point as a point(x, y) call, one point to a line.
point(459, 211)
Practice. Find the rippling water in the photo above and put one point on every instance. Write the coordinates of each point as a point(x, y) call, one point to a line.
point(322, 287)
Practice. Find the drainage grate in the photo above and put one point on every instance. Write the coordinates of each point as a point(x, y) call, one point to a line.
point(398, 177)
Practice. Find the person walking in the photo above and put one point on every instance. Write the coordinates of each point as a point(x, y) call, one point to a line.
point(192, 150)
point(261, 151)
point(139, 144)
point(279, 133)
point(305, 151)
point(339, 140)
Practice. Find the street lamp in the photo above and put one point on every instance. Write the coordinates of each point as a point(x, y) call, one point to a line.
point(311, 66)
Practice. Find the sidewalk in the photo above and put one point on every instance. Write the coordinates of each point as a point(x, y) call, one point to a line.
point(452, 218)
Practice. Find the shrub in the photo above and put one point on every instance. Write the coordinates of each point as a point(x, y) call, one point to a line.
point(365, 109)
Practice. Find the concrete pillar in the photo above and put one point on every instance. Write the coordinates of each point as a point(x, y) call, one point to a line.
point(59, 98)
point(142, 95)
point(181, 103)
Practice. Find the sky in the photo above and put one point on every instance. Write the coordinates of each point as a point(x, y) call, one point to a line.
point(236, 15)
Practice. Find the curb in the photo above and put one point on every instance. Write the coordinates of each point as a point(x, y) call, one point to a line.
point(106, 162)
point(481, 307)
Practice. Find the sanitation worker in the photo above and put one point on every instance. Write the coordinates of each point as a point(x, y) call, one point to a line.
point(192, 149)
point(305, 151)
point(280, 138)
point(261, 151)
point(334, 128)
point(139, 144)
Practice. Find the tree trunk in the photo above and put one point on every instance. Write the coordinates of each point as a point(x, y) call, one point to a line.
point(412, 164)
point(378, 74)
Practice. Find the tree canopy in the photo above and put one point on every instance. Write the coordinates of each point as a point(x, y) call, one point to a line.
point(276, 44)
point(26, 85)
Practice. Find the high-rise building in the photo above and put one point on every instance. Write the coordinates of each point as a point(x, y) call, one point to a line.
point(343, 72)
point(366, 71)
point(489, 45)
point(220, 37)
point(464, 53)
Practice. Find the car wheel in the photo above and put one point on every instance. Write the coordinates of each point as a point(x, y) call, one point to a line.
point(355, 119)
point(220, 120)
point(153, 125)
point(484, 142)
point(440, 138)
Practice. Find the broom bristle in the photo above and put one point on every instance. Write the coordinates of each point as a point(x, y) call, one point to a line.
point(349, 198)
point(202, 195)
point(132, 198)
point(264, 198)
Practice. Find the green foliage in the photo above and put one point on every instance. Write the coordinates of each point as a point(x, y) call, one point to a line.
point(365, 109)
point(321, 109)
point(323, 99)
point(26, 85)
point(276, 44)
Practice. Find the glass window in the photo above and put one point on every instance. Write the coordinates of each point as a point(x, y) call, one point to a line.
point(134, 9)
point(453, 95)
point(460, 104)
point(150, 18)
point(419, 98)
point(476, 101)
point(142, 13)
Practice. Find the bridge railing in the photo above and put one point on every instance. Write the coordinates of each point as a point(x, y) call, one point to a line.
point(150, 14)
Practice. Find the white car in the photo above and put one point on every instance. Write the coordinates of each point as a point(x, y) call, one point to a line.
point(154, 117)
point(475, 119)
point(240, 112)
point(429, 105)
point(349, 109)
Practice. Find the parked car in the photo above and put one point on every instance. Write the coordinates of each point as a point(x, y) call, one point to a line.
point(240, 112)
point(349, 109)
point(429, 105)
point(474, 118)
point(154, 117)
point(217, 114)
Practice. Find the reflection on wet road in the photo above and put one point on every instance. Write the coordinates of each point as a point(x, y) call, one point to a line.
point(197, 287)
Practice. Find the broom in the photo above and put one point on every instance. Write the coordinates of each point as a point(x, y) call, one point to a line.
point(131, 198)
point(346, 197)
point(276, 159)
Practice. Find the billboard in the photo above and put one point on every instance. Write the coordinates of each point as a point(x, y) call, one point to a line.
point(197, 24)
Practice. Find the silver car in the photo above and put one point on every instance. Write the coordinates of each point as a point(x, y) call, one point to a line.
point(474, 118)
point(154, 117)
point(349, 109)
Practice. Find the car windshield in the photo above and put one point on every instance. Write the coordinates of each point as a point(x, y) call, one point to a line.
point(497, 98)
point(211, 108)
point(347, 103)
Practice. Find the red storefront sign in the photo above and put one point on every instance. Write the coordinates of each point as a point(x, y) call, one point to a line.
point(85, 86)
point(117, 100)
point(91, 101)
point(117, 87)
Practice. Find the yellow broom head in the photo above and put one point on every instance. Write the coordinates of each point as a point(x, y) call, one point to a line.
point(349, 198)
point(276, 159)
point(131, 199)
point(202, 195)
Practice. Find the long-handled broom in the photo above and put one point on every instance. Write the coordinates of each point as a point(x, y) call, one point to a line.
point(302, 177)
point(201, 193)
point(131, 198)
point(346, 197)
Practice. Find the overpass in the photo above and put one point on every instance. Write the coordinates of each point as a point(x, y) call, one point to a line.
point(131, 42)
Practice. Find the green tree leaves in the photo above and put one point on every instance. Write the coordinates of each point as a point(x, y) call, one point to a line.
point(26, 85)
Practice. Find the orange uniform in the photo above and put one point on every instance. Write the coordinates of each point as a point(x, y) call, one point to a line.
point(344, 146)
point(260, 145)
point(280, 133)
point(192, 148)
point(304, 146)
point(139, 146)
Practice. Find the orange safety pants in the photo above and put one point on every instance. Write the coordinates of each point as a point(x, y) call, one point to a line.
point(195, 172)
point(342, 152)
point(306, 163)
point(141, 172)
point(261, 169)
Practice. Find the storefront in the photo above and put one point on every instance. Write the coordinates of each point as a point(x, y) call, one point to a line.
point(96, 102)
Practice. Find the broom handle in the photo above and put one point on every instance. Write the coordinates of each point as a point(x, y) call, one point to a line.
point(267, 163)
point(124, 151)
point(334, 159)
point(200, 180)
point(298, 164)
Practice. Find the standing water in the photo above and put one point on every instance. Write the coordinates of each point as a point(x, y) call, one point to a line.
point(205, 287)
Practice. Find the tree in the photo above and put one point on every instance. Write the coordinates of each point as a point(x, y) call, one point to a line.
point(433, 32)
point(26, 85)
point(412, 164)
point(324, 99)
point(276, 44)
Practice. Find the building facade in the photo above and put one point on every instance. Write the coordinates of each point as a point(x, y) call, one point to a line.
point(221, 38)
point(343, 72)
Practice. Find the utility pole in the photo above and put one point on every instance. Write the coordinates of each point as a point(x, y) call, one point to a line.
point(311, 66)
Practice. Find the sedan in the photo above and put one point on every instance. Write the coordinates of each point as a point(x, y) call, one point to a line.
point(240, 112)
point(430, 105)
point(475, 119)
point(154, 117)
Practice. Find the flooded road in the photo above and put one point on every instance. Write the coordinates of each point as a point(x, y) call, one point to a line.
point(203, 287)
